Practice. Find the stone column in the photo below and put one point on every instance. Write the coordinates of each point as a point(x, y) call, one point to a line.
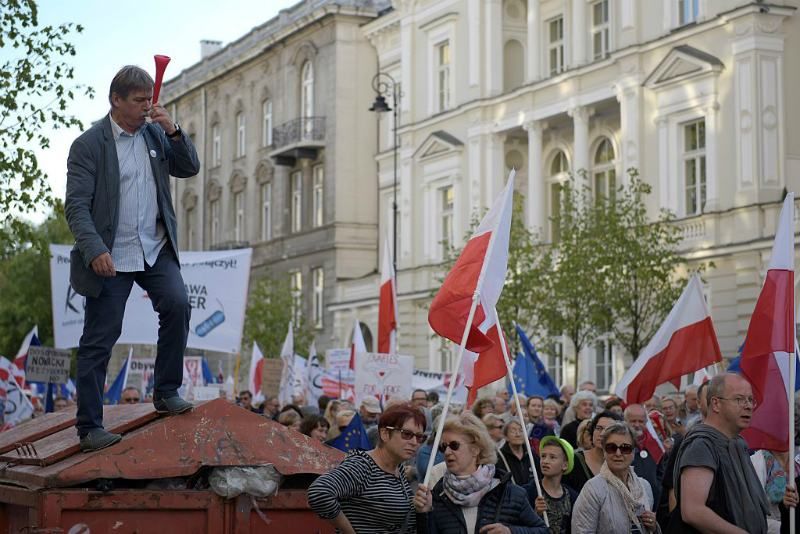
point(493, 31)
point(534, 42)
point(536, 205)
point(579, 34)
point(580, 127)
point(495, 167)
point(629, 95)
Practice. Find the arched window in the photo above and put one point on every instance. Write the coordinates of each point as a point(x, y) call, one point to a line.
point(604, 171)
point(559, 170)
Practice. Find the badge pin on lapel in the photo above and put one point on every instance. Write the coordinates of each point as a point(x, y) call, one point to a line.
point(152, 153)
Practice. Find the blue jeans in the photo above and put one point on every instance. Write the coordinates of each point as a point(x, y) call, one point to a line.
point(103, 325)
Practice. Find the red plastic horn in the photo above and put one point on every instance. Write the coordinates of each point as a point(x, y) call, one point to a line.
point(161, 66)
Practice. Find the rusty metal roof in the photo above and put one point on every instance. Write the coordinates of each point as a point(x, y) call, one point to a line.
point(45, 451)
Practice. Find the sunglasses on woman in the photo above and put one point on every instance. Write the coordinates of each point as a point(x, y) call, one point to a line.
point(454, 446)
point(408, 435)
point(625, 448)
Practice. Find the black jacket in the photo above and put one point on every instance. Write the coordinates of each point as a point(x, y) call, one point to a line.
point(506, 504)
point(520, 470)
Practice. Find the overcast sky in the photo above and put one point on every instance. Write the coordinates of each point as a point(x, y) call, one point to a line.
point(117, 34)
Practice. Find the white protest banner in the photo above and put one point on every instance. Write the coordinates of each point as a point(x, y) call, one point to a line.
point(383, 376)
point(45, 364)
point(216, 284)
point(428, 380)
point(337, 359)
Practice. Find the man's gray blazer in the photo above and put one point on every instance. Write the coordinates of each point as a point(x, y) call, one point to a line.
point(92, 204)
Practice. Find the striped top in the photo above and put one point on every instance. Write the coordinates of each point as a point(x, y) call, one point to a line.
point(374, 501)
point(140, 233)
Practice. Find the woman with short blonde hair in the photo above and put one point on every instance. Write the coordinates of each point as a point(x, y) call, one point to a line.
point(469, 494)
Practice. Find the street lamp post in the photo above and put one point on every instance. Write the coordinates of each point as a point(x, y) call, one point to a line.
point(383, 84)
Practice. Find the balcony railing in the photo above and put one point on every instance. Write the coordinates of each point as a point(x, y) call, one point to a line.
point(299, 131)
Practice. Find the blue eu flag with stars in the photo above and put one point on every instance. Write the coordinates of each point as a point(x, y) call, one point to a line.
point(354, 436)
point(530, 375)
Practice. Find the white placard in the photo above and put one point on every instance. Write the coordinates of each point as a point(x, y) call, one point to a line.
point(383, 375)
point(216, 283)
point(337, 359)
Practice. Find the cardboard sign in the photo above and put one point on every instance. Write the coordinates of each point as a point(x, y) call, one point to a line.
point(271, 377)
point(45, 364)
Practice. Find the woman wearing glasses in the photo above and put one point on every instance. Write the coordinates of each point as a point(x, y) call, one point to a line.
point(367, 492)
point(616, 500)
point(589, 461)
point(469, 497)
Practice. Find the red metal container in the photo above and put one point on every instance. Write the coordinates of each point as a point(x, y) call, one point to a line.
point(48, 485)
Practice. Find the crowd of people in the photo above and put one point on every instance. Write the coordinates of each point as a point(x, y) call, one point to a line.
point(596, 471)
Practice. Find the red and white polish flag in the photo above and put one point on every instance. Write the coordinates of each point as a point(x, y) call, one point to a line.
point(684, 343)
point(255, 374)
point(770, 343)
point(357, 346)
point(480, 267)
point(387, 305)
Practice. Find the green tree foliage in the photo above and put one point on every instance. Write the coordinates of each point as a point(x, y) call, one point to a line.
point(35, 89)
point(640, 262)
point(25, 284)
point(569, 297)
point(269, 310)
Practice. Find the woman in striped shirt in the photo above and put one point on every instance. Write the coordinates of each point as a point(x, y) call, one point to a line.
point(367, 492)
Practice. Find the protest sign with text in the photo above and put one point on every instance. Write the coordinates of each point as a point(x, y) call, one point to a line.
point(216, 284)
point(45, 364)
point(383, 376)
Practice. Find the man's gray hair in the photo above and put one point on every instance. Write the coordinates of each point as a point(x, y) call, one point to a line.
point(129, 78)
point(582, 396)
point(716, 386)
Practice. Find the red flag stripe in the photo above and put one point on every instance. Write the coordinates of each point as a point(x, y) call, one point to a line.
point(450, 307)
point(490, 365)
point(771, 326)
point(769, 423)
point(387, 322)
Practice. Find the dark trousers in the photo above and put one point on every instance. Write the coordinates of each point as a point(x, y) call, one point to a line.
point(103, 325)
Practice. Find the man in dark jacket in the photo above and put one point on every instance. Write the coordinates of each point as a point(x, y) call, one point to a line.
point(119, 209)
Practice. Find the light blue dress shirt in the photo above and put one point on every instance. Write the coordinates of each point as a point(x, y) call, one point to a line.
point(140, 233)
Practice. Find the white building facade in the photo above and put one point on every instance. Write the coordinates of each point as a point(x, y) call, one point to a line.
point(695, 94)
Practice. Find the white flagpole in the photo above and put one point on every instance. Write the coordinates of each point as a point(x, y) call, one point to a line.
point(792, 380)
point(453, 379)
point(519, 410)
